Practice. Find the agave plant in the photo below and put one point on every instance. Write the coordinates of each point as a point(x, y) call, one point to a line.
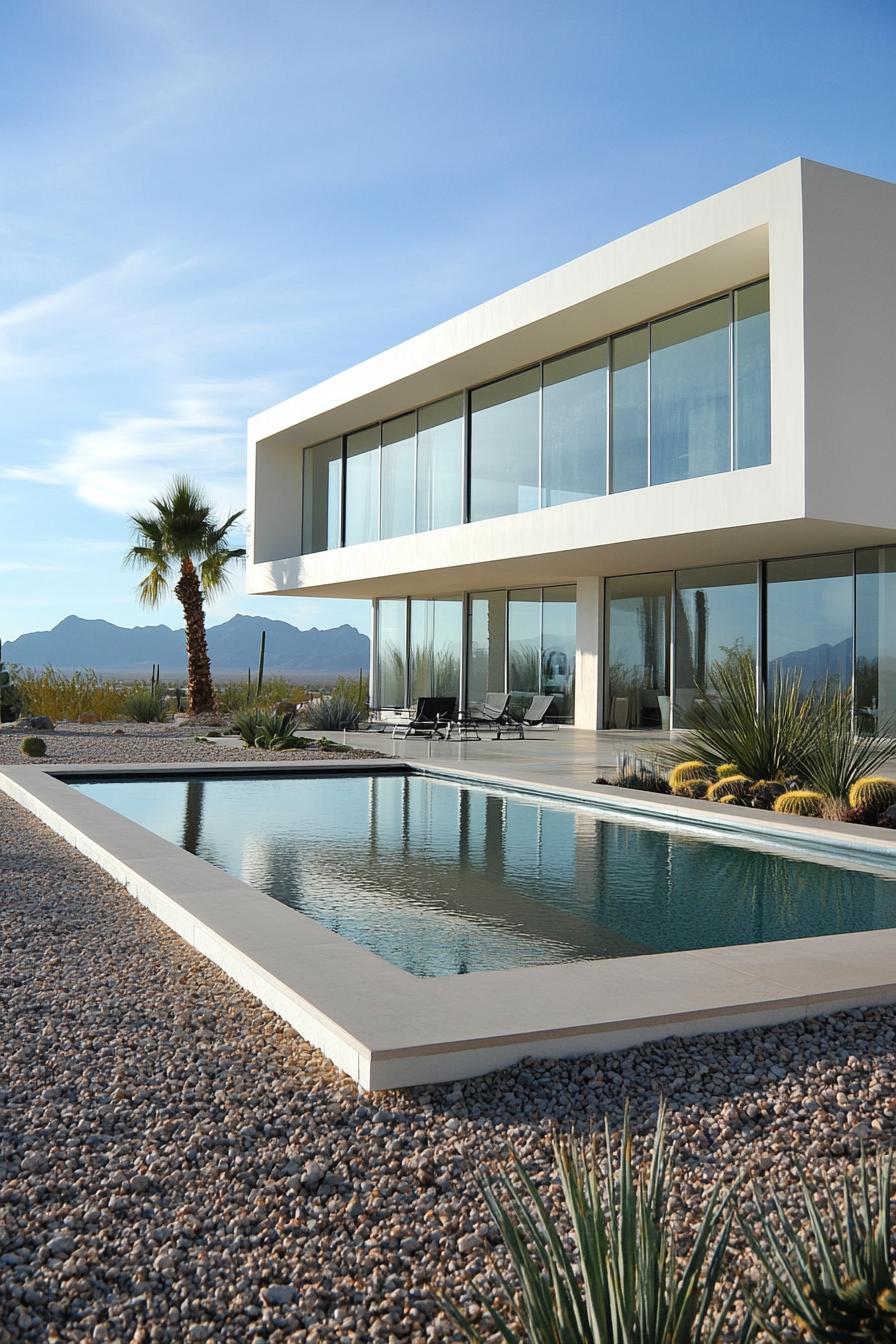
point(268, 729)
point(766, 739)
point(624, 1281)
point(334, 711)
point(837, 1284)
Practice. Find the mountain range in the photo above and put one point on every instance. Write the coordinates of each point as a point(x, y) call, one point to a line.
point(233, 647)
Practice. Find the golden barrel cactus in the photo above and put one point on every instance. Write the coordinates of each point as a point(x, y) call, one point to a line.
point(726, 771)
point(737, 785)
point(692, 788)
point(686, 771)
point(800, 803)
point(874, 791)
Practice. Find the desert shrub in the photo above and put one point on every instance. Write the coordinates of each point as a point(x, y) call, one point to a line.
point(325, 744)
point(737, 785)
point(874, 792)
point(144, 706)
point(332, 712)
point(800, 803)
point(232, 697)
point(623, 1279)
point(686, 770)
point(355, 689)
point(34, 746)
point(62, 696)
point(634, 772)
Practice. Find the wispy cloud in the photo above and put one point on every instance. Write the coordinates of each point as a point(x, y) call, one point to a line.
point(122, 464)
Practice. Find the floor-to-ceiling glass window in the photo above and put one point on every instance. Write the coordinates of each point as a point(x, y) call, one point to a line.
point(524, 646)
point(440, 443)
point(637, 661)
point(558, 650)
point(397, 476)
point(876, 640)
point(809, 618)
point(504, 446)
point(752, 378)
point(716, 622)
point(362, 486)
point(436, 644)
point(391, 652)
point(628, 451)
point(486, 645)
point(574, 427)
point(321, 496)
point(690, 418)
point(448, 640)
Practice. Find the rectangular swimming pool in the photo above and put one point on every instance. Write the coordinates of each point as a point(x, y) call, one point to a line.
point(442, 879)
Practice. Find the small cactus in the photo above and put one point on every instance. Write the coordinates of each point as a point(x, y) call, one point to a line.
point(874, 792)
point(34, 746)
point(732, 784)
point(726, 771)
point(800, 803)
point(687, 770)
point(729, 798)
point(692, 788)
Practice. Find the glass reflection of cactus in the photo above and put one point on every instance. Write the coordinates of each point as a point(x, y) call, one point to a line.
point(442, 879)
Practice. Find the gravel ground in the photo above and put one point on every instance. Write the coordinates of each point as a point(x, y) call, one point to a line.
point(106, 744)
point(177, 1164)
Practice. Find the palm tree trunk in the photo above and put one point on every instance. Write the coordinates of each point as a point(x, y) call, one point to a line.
point(200, 691)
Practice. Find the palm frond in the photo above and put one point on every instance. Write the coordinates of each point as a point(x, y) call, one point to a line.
point(213, 573)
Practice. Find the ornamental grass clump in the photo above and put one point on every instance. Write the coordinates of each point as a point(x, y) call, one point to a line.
point(837, 1282)
point(621, 1277)
point(144, 706)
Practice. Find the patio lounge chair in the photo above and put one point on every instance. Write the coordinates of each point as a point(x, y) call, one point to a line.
point(534, 717)
point(431, 714)
point(492, 710)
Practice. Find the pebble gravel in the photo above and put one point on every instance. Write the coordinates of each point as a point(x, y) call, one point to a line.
point(176, 1164)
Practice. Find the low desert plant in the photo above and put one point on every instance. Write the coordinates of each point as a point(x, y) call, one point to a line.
point(687, 770)
point(33, 746)
point(737, 785)
point(332, 712)
point(836, 1283)
point(622, 1282)
point(144, 706)
point(692, 788)
point(634, 772)
point(800, 803)
point(726, 769)
point(764, 792)
point(268, 729)
point(325, 744)
point(874, 792)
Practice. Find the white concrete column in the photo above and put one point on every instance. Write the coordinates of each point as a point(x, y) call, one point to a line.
point(589, 669)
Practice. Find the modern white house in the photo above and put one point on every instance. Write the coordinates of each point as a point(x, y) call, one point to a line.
point(679, 447)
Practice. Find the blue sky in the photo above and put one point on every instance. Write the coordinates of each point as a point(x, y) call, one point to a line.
point(207, 206)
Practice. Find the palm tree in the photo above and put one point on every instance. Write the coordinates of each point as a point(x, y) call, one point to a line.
point(183, 536)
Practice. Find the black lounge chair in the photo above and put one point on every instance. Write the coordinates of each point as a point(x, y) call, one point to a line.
point(431, 714)
point(534, 717)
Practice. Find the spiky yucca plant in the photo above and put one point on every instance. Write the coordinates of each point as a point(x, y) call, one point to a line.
point(766, 738)
point(624, 1281)
point(838, 1284)
point(837, 758)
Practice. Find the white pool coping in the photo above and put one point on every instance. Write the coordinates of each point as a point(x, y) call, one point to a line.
point(387, 1028)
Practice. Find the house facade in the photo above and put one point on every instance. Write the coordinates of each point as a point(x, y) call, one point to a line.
point(675, 450)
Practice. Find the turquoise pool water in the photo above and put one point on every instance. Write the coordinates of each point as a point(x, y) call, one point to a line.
point(443, 879)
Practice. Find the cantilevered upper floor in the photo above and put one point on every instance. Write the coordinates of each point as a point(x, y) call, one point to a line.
point(720, 384)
